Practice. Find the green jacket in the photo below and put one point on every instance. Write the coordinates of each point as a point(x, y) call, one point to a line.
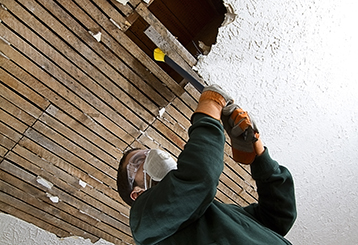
point(181, 209)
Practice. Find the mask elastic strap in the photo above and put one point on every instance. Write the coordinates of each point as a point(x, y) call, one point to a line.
point(145, 180)
point(150, 182)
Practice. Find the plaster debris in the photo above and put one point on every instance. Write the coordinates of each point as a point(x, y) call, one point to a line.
point(230, 16)
point(124, 2)
point(3, 6)
point(97, 35)
point(95, 178)
point(206, 49)
point(161, 112)
point(44, 182)
point(5, 41)
point(85, 213)
point(3, 55)
point(53, 199)
point(82, 183)
point(115, 23)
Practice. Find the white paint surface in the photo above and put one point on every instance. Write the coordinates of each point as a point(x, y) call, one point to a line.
point(14, 231)
point(293, 65)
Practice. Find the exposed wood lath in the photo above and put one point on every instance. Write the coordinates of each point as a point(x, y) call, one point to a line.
point(71, 105)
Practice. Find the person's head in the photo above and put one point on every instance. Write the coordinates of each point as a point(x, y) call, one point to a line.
point(124, 188)
point(140, 169)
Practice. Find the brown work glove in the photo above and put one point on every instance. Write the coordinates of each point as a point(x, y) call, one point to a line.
point(212, 101)
point(242, 132)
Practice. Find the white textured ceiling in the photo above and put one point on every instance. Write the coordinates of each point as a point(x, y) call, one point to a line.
point(293, 64)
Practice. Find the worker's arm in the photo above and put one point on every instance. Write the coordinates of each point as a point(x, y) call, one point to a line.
point(184, 194)
point(276, 208)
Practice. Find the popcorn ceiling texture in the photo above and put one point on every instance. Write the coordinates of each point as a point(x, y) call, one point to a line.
point(293, 65)
point(15, 231)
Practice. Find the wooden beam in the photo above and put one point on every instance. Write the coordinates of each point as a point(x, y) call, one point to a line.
point(163, 32)
point(130, 46)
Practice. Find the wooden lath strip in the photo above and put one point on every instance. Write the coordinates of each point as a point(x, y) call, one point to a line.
point(114, 194)
point(88, 99)
point(115, 15)
point(174, 46)
point(130, 46)
point(84, 79)
point(53, 165)
point(113, 65)
point(104, 181)
point(107, 218)
point(12, 122)
point(83, 106)
point(21, 192)
point(15, 111)
point(84, 136)
point(9, 133)
point(132, 68)
point(79, 117)
point(23, 201)
point(76, 218)
point(28, 99)
point(106, 194)
point(69, 189)
point(17, 97)
point(112, 184)
point(163, 39)
point(86, 160)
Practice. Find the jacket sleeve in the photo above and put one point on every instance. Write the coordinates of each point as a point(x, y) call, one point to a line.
point(184, 194)
point(276, 207)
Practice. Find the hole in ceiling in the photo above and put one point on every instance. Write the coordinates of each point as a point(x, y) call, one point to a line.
point(194, 23)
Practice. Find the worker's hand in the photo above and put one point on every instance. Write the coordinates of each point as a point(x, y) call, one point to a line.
point(213, 100)
point(242, 132)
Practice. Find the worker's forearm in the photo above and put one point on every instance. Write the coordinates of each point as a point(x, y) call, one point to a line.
point(259, 147)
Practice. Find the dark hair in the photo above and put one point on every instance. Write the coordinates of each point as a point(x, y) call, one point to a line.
point(122, 179)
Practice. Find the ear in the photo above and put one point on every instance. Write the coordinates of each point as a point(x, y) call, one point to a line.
point(136, 192)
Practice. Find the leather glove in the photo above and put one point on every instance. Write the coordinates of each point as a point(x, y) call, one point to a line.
point(242, 132)
point(212, 101)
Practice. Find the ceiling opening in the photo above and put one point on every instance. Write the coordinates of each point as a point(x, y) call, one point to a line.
point(193, 23)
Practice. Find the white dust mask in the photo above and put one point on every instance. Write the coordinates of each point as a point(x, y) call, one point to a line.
point(157, 164)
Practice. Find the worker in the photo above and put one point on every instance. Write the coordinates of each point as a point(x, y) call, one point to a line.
point(173, 202)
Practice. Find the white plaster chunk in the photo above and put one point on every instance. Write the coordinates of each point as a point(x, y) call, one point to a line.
point(124, 2)
point(161, 112)
point(53, 199)
point(44, 182)
point(97, 36)
point(82, 183)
